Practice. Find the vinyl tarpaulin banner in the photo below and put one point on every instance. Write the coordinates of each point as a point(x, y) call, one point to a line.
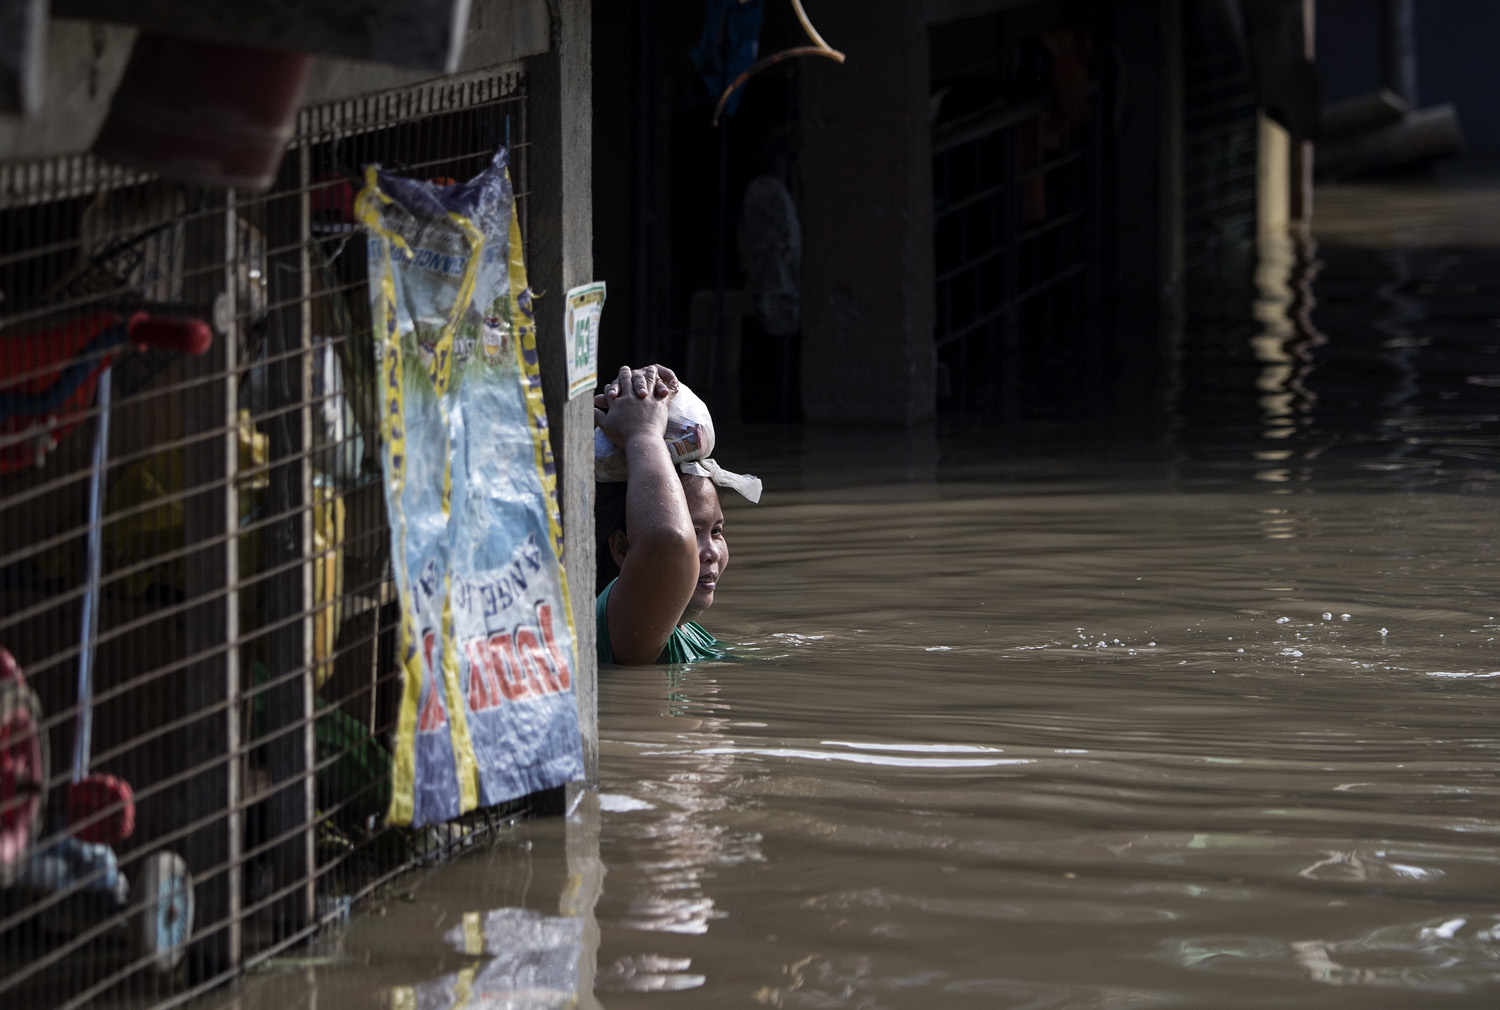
point(486, 644)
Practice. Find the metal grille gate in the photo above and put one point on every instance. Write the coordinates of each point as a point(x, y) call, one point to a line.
point(240, 676)
point(1017, 263)
point(1218, 363)
point(1219, 162)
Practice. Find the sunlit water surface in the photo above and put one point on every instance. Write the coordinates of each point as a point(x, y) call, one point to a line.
point(1210, 722)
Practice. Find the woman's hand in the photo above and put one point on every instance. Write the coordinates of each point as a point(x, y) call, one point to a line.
point(635, 403)
point(659, 379)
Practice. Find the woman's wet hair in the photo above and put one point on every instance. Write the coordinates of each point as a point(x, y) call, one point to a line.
point(609, 516)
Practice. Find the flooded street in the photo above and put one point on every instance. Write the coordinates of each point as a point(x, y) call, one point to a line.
point(1203, 720)
point(1074, 748)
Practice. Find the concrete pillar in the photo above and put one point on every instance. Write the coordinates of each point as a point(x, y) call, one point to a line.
point(1301, 208)
point(1398, 48)
point(866, 171)
point(580, 899)
point(1273, 188)
point(561, 257)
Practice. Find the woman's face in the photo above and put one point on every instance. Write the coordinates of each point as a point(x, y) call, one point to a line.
point(713, 549)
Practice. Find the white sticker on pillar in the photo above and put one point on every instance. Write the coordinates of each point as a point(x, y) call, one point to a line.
point(585, 304)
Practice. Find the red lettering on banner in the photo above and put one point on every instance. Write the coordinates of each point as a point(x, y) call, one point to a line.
point(517, 665)
point(484, 686)
point(530, 648)
point(503, 652)
point(433, 716)
point(563, 678)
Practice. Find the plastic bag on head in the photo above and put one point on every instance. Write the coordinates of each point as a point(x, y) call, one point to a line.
point(690, 444)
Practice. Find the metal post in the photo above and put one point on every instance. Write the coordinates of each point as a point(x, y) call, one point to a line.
point(211, 686)
point(289, 655)
point(234, 824)
point(1301, 204)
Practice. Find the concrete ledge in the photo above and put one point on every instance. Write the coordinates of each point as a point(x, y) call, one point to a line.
point(425, 35)
point(85, 60)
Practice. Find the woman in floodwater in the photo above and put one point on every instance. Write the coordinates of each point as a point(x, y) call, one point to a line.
point(660, 533)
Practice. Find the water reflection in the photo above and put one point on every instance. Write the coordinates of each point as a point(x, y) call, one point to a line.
point(1375, 346)
point(1428, 956)
point(676, 830)
point(511, 925)
point(520, 959)
point(1285, 274)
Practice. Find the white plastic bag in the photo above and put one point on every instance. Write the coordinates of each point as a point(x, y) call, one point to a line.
point(690, 444)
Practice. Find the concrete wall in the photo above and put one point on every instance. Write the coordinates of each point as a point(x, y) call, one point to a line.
point(84, 62)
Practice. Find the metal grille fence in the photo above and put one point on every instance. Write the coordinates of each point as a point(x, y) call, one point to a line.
point(1016, 258)
point(201, 616)
point(1219, 177)
point(1217, 359)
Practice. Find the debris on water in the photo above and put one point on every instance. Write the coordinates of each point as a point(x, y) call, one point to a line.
point(1343, 617)
point(1283, 620)
point(1327, 616)
point(1383, 632)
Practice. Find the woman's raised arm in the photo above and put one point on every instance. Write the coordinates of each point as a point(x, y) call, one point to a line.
point(658, 554)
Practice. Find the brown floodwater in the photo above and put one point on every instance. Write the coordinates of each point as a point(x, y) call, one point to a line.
point(1207, 719)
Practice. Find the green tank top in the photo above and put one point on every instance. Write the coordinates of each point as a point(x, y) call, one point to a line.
point(689, 642)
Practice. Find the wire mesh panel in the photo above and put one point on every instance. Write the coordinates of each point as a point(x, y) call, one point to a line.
point(1016, 258)
point(1220, 157)
point(200, 685)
